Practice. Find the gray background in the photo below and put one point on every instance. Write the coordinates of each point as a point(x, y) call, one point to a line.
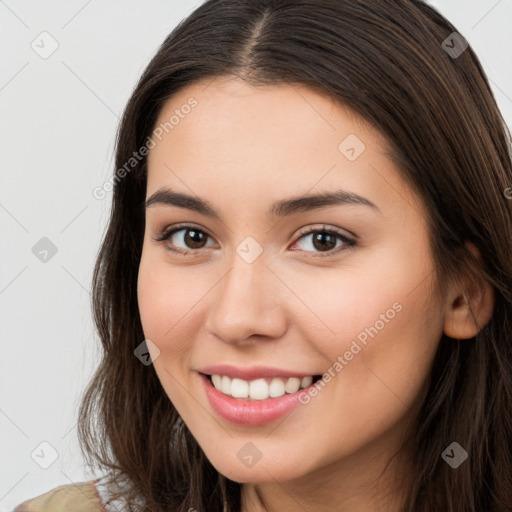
point(59, 117)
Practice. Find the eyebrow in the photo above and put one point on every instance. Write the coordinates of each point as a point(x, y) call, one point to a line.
point(167, 197)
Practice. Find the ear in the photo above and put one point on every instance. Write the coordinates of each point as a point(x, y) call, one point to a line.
point(468, 310)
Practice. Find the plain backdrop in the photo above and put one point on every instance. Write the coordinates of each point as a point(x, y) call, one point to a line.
point(59, 115)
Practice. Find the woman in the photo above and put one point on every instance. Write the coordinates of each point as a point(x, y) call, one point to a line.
point(303, 294)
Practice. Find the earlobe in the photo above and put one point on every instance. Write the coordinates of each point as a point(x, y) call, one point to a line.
point(467, 312)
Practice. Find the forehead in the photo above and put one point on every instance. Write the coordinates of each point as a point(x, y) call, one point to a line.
point(226, 138)
point(255, 114)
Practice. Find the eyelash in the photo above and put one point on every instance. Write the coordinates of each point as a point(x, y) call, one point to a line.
point(348, 242)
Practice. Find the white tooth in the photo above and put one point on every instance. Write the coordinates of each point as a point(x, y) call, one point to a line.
point(258, 389)
point(276, 387)
point(226, 385)
point(306, 381)
point(292, 385)
point(217, 382)
point(239, 388)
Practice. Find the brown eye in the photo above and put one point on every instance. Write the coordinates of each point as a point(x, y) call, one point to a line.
point(324, 241)
point(184, 239)
point(189, 239)
point(194, 238)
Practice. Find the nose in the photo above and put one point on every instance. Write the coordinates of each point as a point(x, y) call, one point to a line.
point(248, 301)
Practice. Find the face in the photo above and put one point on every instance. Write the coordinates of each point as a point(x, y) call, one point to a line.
point(339, 288)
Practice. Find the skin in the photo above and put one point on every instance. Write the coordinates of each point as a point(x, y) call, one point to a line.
point(242, 148)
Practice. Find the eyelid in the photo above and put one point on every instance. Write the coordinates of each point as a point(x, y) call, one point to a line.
point(165, 233)
point(326, 227)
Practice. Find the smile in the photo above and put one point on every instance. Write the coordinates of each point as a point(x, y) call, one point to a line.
point(260, 389)
point(247, 410)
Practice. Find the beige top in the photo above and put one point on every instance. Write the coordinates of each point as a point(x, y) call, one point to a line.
point(93, 496)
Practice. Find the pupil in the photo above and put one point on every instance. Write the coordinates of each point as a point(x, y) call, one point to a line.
point(317, 241)
point(195, 238)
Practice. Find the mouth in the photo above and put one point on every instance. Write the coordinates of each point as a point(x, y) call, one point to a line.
point(250, 403)
point(259, 389)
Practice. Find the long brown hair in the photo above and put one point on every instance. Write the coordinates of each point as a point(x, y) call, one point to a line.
point(387, 60)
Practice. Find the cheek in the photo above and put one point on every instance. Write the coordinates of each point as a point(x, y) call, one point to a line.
point(165, 300)
point(168, 299)
point(368, 294)
point(383, 354)
point(376, 324)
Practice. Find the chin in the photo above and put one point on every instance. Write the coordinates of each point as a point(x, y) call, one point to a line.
point(261, 471)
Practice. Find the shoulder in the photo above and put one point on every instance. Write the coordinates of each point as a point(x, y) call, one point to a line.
point(77, 497)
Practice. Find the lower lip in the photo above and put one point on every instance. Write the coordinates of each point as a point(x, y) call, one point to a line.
point(245, 412)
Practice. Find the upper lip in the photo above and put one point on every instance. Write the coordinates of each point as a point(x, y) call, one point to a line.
point(252, 373)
